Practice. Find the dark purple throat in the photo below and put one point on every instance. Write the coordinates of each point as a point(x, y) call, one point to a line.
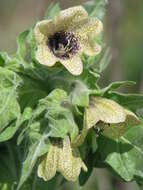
point(63, 44)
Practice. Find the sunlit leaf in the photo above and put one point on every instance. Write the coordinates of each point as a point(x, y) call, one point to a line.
point(125, 155)
point(35, 151)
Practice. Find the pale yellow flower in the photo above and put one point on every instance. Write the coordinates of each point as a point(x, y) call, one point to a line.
point(108, 117)
point(66, 37)
point(61, 158)
point(105, 110)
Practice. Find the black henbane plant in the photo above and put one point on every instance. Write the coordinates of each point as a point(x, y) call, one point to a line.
point(55, 120)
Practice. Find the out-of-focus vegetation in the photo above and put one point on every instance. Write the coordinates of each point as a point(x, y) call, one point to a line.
point(124, 33)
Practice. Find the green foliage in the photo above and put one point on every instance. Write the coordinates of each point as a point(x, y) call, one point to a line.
point(130, 101)
point(21, 49)
point(59, 115)
point(79, 94)
point(9, 164)
point(10, 109)
point(35, 151)
point(30, 88)
point(40, 104)
point(52, 10)
point(96, 8)
point(124, 155)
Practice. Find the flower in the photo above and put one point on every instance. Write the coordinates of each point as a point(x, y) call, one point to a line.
point(108, 117)
point(66, 37)
point(62, 158)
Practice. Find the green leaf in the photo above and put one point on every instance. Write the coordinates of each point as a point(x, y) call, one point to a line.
point(89, 78)
point(9, 164)
point(9, 107)
point(8, 79)
point(59, 127)
point(4, 59)
point(80, 94)
point(125, 155)
point(116, 85)
point(104, 60)
point(96, 8)
point(23, 120)
point(31, 121)
point(35, 151)
point(130, 101)
point(8, 132)
point(89, 162)
point(54, 102)
point(54, 114)
point(21, 46)
point(92, 141)
point(6, 166)
point(52, 10)
point(30, 92)
point(26, 47)
point(4, 186)
point(59, 114)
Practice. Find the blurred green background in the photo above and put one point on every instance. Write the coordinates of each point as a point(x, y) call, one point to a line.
point(123, 32)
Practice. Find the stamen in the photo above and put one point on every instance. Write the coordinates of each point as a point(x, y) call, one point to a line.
point(63, 44)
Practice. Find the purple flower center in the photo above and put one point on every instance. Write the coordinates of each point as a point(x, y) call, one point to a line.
point(63, 44)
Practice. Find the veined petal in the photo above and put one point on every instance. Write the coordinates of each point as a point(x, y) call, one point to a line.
point(70, 17)
point(70, 21)
point(69, 163)
point(105, 110)
point(95, 26)
point(89, 47)
point(117, 130)
point(45, 56)
point(48, 165)
point(108, 117)
point(86, 33)
point(92, 27)
point(64, 20)
point(43, 29)
point(73, 65)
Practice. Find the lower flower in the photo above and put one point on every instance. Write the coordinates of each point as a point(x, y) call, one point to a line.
point(106, 117)
point(61, 158)
point(109, 117)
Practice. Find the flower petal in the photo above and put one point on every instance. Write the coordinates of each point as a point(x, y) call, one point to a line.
point(93, 27)
point(45, 56)
point(69, 163)
point(73, 65)
point(74, 19)
point(86, 33)
point(43, 29)
point(70, 17)
point(117, 130)
point(131, 118)
point(48, 165)
point(102, 109)
point(89, 47)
